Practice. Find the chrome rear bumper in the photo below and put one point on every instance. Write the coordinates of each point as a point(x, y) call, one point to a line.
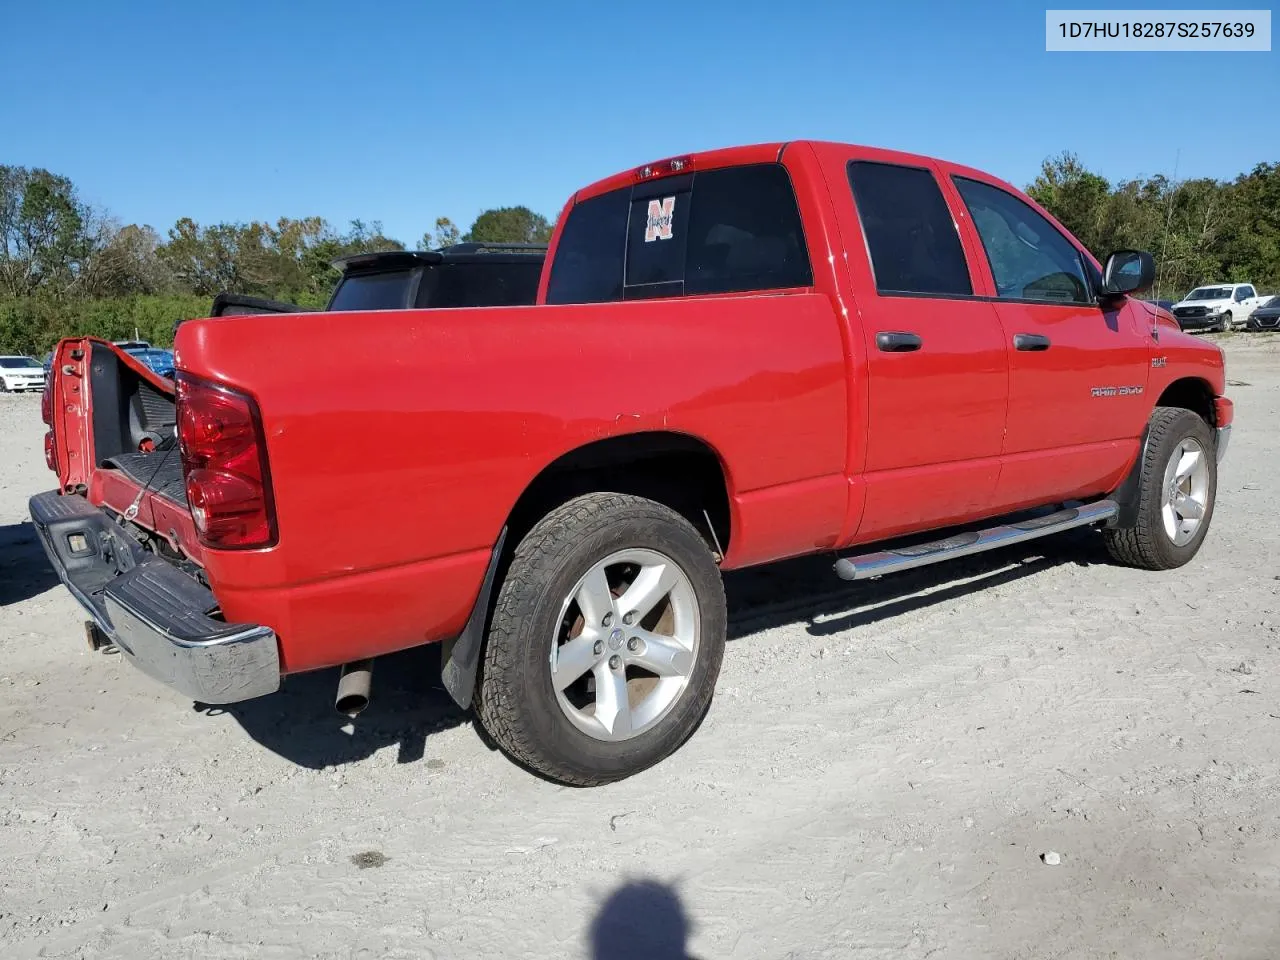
point(157, 615)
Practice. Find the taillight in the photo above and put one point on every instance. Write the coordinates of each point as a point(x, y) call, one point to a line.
point(224, 459)
point(50, 455)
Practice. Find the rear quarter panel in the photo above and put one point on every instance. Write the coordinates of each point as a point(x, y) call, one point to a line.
point(399, 441)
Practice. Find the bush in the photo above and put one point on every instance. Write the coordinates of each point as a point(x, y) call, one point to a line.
point(31, 326)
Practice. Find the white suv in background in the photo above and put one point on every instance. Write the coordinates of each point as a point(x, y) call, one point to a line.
point(20, 373)
point(1217, 306)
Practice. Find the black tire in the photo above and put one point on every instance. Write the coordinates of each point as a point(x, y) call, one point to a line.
point(1146, 544)
point(4, 387)
point(1226, 322)
point(515, 699)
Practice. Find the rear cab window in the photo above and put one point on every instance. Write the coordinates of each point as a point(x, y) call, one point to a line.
point(725, 230)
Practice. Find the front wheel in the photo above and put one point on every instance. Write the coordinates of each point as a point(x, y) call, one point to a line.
point(606, 640)
point(1177, 488)
point(1227, 323)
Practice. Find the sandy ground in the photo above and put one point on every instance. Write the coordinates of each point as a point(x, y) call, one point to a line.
point(882, 770)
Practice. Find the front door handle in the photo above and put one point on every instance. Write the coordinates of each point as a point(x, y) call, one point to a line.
point(896, 341)
point(1030, 341)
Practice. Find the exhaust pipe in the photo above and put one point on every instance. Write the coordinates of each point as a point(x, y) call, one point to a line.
point(353, 688)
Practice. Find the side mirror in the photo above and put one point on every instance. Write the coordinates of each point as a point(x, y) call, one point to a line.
point(1128, 271)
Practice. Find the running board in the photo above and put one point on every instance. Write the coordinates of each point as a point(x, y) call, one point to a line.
point(977, 541)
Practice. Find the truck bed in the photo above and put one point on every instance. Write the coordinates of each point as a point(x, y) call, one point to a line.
point(160, 471)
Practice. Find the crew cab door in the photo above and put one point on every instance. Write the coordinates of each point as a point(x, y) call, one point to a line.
point(936, 368)
point(1077, 370)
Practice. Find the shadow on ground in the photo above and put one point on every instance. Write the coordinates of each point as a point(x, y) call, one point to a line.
point(808, 591)
point(409, 705)
point(641, 920)
point(300, 723)
point(24, 568)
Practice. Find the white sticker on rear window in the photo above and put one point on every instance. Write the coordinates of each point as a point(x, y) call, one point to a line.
point(661, 215)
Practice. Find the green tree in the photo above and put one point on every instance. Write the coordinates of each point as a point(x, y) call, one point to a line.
point(509, 225)
point(124, 262)
point(445, 235)
point(1073, 194)
point(43, 232)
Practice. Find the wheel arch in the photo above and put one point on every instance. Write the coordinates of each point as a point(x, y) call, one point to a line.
point(1190, 393)
point(680, 470)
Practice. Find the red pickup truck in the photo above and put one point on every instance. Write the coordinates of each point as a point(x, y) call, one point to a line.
point(735, 357)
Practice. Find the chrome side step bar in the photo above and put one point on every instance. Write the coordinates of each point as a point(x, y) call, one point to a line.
point(877, 564)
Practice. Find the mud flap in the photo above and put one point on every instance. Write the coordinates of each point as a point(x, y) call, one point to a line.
point(1126, 495)
point(461, 657)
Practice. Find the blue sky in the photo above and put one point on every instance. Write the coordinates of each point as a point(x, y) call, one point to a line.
point(239, 111)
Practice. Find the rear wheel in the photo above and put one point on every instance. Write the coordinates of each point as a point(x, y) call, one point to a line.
point(606, 640)
point(1176, 492)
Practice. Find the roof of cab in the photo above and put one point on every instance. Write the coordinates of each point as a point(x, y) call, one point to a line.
point(764, 153)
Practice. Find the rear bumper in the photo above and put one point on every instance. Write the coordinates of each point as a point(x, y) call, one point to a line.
point(157, 615)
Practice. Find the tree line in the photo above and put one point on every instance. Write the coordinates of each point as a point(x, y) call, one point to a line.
point(1200, 231)
point(67, 268)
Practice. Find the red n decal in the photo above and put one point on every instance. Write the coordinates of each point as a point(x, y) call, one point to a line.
point(661, 214)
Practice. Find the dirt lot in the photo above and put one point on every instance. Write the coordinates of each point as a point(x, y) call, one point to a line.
point(880, 775)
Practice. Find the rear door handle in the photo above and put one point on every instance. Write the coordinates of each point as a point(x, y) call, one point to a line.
point(1030, 341)
point(894, 341)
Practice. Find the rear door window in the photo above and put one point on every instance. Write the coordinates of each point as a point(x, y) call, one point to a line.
point(745, 232)
point(734, 229)
point(911, 237)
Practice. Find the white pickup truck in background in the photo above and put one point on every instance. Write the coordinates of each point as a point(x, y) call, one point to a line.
point(1217, 306)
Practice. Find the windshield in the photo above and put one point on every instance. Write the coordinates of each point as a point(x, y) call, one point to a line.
point(1273, 302)
point(1210, 293)
point(19, 363)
